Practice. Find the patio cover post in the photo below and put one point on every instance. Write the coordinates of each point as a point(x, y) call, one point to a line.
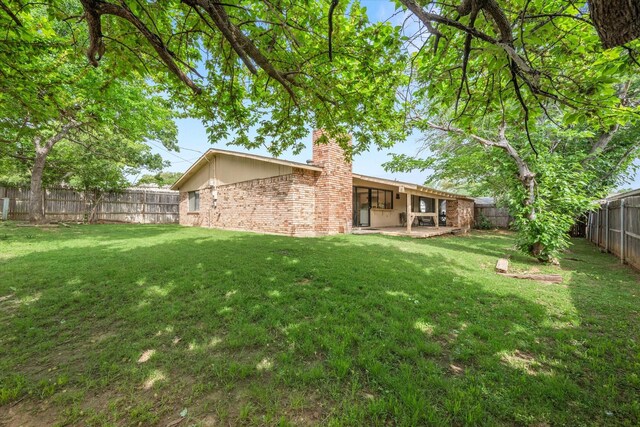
point(409, 216)
point(437, 218)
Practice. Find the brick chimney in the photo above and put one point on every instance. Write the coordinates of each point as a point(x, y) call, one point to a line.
point(333, 191)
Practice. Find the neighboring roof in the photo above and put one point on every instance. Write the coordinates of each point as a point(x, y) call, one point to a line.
point(411, 186)
point(626, 194)
point(213, 151)
point(484, 200)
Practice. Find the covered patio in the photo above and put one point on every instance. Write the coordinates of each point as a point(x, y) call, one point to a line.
point(382, 206)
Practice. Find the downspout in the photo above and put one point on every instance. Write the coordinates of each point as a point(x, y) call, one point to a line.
point(208, 188)
point(214, 188)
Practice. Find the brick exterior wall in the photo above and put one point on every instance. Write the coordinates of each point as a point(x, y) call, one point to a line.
point(303, 203)
point(460, 213)
point(200, 218)
point(333, 189)
point(452, 212)
point(282, 204)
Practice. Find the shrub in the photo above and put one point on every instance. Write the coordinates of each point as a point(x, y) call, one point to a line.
point(483, 223)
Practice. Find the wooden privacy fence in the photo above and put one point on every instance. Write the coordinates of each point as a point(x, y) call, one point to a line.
point(498, 217)
point(615, 227)
point(135, 205)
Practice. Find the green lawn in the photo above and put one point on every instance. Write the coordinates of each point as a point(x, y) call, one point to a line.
point(136, 325)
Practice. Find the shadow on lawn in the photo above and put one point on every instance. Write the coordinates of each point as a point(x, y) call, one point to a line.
point(252, 328)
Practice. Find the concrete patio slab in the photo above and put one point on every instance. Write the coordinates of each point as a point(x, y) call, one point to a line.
point(416, 232)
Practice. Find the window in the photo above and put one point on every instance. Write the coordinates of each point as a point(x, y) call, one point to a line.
point(365, 199)
point(381, 199)
point(423, 204)
point(194, 201)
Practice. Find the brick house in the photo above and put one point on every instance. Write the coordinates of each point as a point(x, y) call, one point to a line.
point(241, 191)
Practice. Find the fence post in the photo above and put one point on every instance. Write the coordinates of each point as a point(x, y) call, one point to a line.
point(5, 208)
point(144, 206)
point(606, 230)
point(44, 202)
point(622, 231)
point(598, 226)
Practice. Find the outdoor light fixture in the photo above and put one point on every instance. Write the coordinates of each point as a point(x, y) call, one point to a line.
point(398, 196)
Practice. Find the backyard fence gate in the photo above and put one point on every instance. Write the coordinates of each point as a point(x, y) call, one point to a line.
point(615, 227)
point(133, 205)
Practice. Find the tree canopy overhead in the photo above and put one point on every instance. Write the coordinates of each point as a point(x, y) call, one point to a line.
point(273, 67)
point(282, 66)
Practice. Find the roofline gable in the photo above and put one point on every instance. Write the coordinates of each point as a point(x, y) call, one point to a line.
point(210, 153)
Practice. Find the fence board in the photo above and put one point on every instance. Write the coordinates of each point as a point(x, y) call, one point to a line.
point(498, 217)
point(136, 205)
point(620, 235)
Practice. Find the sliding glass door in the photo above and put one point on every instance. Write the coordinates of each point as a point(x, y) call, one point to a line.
point(361, 207)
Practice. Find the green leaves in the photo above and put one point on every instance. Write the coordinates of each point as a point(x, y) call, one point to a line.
point(47, 84)
point(563, 192)
point(552, 85)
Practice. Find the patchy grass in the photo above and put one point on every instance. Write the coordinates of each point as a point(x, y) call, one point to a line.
point(137, 325)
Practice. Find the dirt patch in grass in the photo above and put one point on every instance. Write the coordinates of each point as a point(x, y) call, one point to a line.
point(27, 413)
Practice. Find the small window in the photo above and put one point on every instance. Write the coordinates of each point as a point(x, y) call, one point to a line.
point(382, 199)
point(194, 201)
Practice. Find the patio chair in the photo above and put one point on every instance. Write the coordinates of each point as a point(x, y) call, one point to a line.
point(403, 219)
point(426, 221)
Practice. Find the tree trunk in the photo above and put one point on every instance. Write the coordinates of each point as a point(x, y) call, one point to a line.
point(525, 175)
point(36, 208)
point(617, 21)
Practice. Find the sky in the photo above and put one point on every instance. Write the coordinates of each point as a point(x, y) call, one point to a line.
point(192, 138)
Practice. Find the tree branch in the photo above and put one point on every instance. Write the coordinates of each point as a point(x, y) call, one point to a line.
point(71, 124)
point(243, 45)
point(94, 9)
point(505, 42)
point(526, 176)
point(334, 4)
point(516, 86)
point(601, 143)
point(10, 13)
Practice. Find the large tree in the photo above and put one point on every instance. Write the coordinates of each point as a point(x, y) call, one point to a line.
point(273, 69)
point(524, 90)
point(50, 98)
